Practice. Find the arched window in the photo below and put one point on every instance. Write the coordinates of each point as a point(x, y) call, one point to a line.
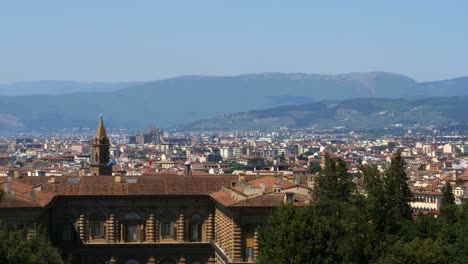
point(195, 228)
point(132, 216)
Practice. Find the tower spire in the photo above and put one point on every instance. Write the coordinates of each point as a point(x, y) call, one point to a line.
point(101, 155)
point(101, 130)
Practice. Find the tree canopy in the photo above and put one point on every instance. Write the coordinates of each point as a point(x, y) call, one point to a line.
point(15, 248)
point(370, 224)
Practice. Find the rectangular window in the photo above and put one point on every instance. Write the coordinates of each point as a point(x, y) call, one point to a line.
point(131, 232)
point(167, 229)
point(193, 232)
point(98, 230)
point(248, 253)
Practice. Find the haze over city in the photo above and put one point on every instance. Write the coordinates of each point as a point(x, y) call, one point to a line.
point(241, 132)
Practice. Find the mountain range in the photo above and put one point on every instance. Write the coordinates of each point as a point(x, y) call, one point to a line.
point(61, 87)
point(356, 114)
point(185, 99)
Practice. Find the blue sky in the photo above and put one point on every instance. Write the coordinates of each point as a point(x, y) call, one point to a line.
point(147, 40)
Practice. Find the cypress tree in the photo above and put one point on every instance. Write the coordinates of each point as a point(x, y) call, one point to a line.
point(397, 194)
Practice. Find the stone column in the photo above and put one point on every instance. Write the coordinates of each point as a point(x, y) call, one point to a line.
point(222, 226)
point(81, 223)
point(209, 227)
point(150, 228)
point(236, 242)
point(110, 226)
point(157, 225)
point(121, 232)
point(32, 232)
point(181, 227)
point(255, 249)
point(217, 229)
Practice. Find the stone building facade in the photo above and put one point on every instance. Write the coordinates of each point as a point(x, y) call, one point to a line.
point(128, 220)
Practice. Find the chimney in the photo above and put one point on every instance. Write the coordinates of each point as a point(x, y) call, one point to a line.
point(241, 178)
point(188, 170)
point(118, 179)
point(32, 195)
point(7, 185)
point(276, 188)
point(52, 180)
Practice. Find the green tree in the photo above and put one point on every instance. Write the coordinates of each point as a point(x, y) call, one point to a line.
point(448, 198)
point(448, 208)
point(397, 194)
point(15, 248)
point(236, 166)
point(423, 251)
point(256, 162)
point(339, 207)
point(286, 238)
point(375, 213)
point(314, 167)
point(461, 246)
point(330, 230)
point(334, 184)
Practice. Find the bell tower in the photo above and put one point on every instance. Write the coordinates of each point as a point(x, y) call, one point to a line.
point(100, 157)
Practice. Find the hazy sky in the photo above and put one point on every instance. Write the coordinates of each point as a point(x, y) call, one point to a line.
point(101, 40)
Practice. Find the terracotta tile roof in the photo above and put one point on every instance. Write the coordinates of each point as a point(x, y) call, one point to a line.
point(21, 193)
point(13, 201)
point(268, 200)
point(144, 185)
point(268, 181)
point(223, 198)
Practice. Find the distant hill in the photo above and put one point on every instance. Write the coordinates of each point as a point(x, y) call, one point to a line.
point(361, 113)
point(187, 98)
point(60, 87)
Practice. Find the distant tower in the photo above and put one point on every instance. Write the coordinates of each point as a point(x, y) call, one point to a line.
point(100, 157)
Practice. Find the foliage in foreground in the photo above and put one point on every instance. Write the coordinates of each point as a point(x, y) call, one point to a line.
point(344, 225)
point(15, 248)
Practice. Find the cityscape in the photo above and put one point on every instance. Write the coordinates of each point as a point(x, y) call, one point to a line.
point(209, 192)
point(236, 133)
